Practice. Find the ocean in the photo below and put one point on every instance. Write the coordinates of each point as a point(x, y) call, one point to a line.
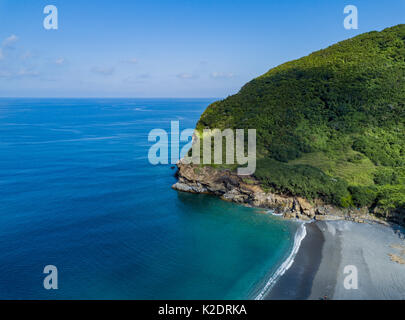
point(77, 191)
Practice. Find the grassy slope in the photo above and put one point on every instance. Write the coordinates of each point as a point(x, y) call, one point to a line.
point(329, 125)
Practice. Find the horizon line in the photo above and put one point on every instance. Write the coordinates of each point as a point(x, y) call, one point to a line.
point(112, 97)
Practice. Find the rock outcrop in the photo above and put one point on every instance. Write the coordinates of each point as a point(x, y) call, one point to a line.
point(247, 190)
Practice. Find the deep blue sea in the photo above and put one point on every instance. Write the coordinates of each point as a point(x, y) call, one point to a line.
point(77, 191)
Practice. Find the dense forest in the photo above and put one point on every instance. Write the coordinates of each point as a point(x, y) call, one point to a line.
point(330, 125)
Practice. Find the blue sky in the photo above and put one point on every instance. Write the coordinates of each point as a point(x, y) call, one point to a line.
point(161, 48)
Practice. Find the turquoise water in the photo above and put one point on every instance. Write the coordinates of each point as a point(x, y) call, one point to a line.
point(77, 191)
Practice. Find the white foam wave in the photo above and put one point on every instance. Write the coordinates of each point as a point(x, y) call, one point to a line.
point(273, 213)
point(299, 236)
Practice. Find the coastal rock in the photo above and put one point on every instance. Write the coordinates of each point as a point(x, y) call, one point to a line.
point(231, 187)
point(235, 196)
point(305, 207)
point(328, 218)
point(396, 258)
point(247, 190)
point(197, 188)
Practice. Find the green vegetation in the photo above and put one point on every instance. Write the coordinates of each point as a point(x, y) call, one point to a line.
point(303, 180)
point(330, 125)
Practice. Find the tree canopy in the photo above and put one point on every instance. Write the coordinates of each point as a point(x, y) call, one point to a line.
point(330, 125)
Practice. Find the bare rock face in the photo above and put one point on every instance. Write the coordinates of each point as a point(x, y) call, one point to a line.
point(306, 208)
point(240, 189)
point(247, 190)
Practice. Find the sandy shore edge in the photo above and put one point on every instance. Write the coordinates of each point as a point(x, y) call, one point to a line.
point(332, 248)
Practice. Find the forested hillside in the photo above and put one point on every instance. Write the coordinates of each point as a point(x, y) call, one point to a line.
point(330, 125)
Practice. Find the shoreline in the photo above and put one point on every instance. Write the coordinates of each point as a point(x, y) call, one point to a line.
point(296, 282)
point(337, 238)
point(299, 237)
point(318, 269)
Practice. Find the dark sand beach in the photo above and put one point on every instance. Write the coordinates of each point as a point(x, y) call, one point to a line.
point(296, 283)
point(318, 271)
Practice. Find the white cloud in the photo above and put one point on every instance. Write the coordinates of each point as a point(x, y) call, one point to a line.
point(22, 73)
point(10, 40)
point(137, 79)
point(27, 73)
point(60, 61)
point(186, 76)
point(222, 75)
point(132, 60)
point(105, 71)
point(7, 43)
point(5, 74)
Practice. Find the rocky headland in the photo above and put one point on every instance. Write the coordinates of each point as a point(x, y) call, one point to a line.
point(247, 190)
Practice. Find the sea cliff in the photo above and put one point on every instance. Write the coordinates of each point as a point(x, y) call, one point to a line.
point(247, 190)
